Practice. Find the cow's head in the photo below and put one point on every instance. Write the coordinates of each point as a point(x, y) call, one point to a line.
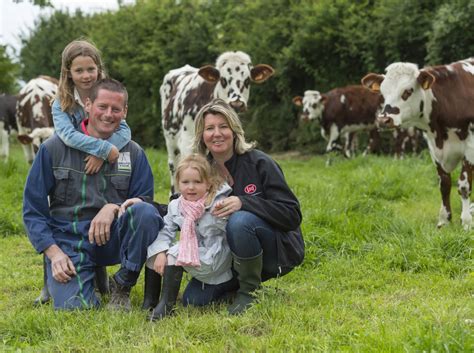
point(232, 74)
point(403, 89)
point(312, 103)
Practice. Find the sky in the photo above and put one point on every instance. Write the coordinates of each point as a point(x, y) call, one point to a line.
point(19, 18)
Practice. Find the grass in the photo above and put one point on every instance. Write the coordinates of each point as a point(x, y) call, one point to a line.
point(378, 276)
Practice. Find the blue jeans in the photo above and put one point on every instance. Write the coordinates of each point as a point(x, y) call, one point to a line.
point(200, 294)
point(249, 236)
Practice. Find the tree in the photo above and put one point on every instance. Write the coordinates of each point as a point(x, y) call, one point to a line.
point(8, 73)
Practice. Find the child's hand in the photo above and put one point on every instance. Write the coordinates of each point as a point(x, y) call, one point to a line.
point(113, 155)
point(93, 164)
point(160, 263)
point(127, 204)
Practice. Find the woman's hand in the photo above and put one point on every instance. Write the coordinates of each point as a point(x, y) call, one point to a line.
point(227, 206)
point(127, 204)
point(160, 263)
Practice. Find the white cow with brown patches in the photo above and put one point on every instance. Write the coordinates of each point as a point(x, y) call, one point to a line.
point(438, 100)
point(185, 90)
point(33, 113)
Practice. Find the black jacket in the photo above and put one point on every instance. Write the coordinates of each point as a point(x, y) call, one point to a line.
point(261, 186)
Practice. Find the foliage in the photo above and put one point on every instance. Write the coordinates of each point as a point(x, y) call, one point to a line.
point(453, 29)
point(41, 51)
point(377, 277)
point(8, 72)
point(311, 44)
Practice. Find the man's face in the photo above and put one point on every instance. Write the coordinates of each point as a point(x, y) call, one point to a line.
point(105, 113)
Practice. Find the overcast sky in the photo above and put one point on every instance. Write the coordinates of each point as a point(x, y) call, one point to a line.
point(16, 19)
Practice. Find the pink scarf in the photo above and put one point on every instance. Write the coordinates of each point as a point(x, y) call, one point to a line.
point(188, 246)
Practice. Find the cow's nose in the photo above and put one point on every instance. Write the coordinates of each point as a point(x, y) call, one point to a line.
point(238, 106)
point(304, 117)
point(385, 121)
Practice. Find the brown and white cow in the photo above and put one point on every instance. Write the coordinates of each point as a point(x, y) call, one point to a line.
point(185, 90)
point(33, 113)
point(343, 112)
point(7, 122)
point(439, 101)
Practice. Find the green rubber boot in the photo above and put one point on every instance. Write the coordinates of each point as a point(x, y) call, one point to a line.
point(250, 278)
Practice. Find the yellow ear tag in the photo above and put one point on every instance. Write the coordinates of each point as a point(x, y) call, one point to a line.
point(375, 86)
point(426, 85)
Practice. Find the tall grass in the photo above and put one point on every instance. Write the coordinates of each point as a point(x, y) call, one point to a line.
point(378, 276)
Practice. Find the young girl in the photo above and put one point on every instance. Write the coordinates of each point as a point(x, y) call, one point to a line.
point(81, 67)
point(202, 249)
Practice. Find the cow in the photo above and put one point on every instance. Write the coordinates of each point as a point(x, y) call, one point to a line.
point(439, 101)
point(33, 113)
point(7, 122)
point(185, 90)
point(342, 112)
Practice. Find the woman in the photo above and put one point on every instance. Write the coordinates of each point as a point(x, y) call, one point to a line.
point(264, 216)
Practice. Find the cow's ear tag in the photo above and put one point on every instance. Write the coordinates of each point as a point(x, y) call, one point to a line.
point(426, 85)
point(375, 86)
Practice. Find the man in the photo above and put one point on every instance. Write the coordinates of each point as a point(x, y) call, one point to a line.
point(79, 228)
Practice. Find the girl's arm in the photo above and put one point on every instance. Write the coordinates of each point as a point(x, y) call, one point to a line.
point(65, 128)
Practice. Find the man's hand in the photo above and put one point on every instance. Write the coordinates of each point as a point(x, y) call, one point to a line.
point(99, 230)
point(160, 263)
point(61, 265)
point(113, 155)
point(93, 164)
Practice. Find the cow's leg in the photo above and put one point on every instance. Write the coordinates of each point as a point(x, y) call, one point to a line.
point(347, 150)
point(464, 189)
point(374, 142)
point(173, 155)
point(445, 188)
point(332, 139)
point(4, 141)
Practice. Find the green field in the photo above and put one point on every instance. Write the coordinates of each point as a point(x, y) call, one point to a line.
point(378, 276)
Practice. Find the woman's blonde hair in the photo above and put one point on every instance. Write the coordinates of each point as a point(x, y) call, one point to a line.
point(79, 47)
point(203, 167)
point(219, 106)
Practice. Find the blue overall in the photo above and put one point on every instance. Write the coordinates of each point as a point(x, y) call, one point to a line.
point(75, 198)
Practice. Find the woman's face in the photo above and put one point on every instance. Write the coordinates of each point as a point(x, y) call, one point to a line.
point(218, 136)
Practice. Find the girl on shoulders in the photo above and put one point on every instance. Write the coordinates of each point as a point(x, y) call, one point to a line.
point(81, 67)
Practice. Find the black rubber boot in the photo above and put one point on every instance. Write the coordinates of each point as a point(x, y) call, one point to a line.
point(151, 295)
point(171, 283)
point(250, 278)
point(44, 296)
point(101, 281)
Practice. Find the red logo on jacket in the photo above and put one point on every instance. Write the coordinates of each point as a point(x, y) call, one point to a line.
point(250, 189)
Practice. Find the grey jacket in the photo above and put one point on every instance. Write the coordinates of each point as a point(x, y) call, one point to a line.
point(214, 252)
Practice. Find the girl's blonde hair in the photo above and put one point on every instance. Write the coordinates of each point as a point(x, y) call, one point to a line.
point(219, 106)
point(203, 167)
point(79, 47)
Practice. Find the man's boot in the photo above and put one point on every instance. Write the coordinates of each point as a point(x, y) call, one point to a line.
point(151, 295)
point(250, 278)
point(44, 296)
point(101, 281)
point(169, 293)
point(119, 296)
